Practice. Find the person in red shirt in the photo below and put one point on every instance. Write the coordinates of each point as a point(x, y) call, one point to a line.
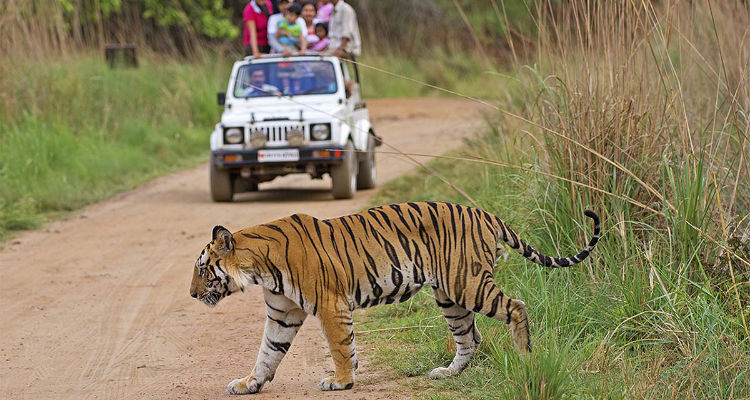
point(255, 32)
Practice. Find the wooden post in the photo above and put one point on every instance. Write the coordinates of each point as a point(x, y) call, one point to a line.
point(121, 55)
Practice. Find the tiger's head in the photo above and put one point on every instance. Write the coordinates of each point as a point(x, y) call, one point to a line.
point(211, 278)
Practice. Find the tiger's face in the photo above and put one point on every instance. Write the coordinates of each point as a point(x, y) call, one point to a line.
point(211, 282)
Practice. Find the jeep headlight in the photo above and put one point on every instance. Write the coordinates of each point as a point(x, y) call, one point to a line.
point(233, 136)
point(321, 131)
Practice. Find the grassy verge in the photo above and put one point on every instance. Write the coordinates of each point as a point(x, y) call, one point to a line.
point(648, 133)
point(628, 324)
point(74, 131)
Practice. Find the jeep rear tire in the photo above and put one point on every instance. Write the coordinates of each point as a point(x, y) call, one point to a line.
point(367, 173)
point(344, 175)
point(221, 184)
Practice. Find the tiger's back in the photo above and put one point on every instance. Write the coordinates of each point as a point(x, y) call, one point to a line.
point(390, 252)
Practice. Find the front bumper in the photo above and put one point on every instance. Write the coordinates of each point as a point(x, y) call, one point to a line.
point(230, 159)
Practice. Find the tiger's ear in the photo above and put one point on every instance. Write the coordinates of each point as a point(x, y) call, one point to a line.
point(224, 242)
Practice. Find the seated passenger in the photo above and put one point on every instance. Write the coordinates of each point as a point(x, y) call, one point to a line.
point(258, 85)
point(321, 31)
point(290, 32)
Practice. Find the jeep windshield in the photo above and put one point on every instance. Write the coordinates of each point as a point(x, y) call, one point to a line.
point(286, 78)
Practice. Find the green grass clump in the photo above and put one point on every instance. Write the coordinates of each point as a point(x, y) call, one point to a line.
point(73, 131)
point(659, 150)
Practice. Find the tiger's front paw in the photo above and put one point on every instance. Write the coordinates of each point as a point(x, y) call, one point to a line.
point(246, 385)
point(331, 383)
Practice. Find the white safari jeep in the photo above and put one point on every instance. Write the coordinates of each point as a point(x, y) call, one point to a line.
point(286, 115)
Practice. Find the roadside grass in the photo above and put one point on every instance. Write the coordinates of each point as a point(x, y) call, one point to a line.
point(620, 326)
point(658, 149)
point(73, 131)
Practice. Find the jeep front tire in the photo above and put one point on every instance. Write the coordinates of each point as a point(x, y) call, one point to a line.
point(221, 184)
point(367, 173)
point(344, 175)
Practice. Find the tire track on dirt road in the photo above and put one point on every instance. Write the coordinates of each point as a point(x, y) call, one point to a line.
point(97, 305)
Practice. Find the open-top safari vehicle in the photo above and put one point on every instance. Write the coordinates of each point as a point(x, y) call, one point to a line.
point(285, 115)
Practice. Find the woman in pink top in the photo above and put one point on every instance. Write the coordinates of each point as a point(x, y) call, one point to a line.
point(255, 32)
point(325, 8)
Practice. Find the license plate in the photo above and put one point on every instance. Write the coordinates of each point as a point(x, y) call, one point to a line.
point(278, 155)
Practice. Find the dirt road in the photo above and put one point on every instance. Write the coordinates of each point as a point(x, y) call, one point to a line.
point(97, 306)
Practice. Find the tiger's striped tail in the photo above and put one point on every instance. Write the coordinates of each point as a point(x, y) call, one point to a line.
point(517, 244)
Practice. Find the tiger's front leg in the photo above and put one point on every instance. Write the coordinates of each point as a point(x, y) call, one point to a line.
point(283, 320)
point(339, 332)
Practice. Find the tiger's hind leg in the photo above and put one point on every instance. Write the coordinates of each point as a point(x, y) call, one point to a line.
point(515, 312)
point(495, 304)
point(465, 333)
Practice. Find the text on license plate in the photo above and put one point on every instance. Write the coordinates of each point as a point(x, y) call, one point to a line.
point(278, 155)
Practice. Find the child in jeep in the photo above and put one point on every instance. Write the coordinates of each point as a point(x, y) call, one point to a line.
point(290, 32)
point(321, 31)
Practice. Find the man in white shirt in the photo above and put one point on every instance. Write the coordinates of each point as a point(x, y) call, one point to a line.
point(273, 26)
point(343, 31)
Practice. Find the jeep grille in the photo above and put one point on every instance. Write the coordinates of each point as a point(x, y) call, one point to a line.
point(277, 134)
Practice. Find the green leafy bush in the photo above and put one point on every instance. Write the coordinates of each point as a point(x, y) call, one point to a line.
point(73, 131)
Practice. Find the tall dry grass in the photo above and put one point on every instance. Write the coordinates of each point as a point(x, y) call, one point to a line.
point(651, 101)
point(638, 82)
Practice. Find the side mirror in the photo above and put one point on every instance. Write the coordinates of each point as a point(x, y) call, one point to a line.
point(221, 98)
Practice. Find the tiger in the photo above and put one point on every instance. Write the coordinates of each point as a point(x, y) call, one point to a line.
point(327, 268)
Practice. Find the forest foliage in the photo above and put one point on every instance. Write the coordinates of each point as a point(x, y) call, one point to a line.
point(186, 26)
